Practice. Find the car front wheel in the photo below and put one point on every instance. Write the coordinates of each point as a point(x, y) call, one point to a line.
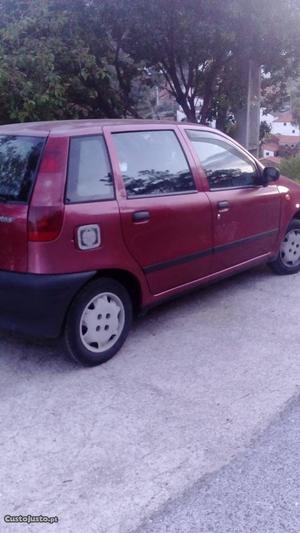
point(288, 258)
point(98, 322)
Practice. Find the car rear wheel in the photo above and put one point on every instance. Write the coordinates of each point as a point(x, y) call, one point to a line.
point(98, 322)
point(288, 258)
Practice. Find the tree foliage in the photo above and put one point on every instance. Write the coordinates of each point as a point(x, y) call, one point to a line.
point(295, 101)
point(57, 60)
point(203, 48)
point(94, 58)
point(264, 130)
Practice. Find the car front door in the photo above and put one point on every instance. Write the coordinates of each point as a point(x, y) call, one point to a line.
point(246, 215)
point(166, 220)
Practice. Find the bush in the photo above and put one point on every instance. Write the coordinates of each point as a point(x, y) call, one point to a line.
point(291, 168)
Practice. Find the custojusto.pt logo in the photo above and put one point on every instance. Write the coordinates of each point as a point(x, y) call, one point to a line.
point(30, 519)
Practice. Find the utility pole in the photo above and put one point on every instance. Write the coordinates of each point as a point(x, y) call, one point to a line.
point(248, 118)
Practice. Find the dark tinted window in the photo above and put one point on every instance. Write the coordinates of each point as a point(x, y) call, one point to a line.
point(89, 175)
point(224, 165)
point(19, 158)
point(153, 163)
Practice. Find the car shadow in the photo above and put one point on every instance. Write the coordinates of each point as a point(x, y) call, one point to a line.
point(48, 355)
point(39, 355)
point(207, 293)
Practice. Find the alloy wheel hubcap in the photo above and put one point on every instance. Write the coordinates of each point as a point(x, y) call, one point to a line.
point(102, 322)
point(290, 249)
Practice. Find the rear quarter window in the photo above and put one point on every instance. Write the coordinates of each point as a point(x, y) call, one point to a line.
point(19, 158)
point(89, 172)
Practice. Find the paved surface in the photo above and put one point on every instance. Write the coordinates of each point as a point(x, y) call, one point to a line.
point(258, 492)
point(105, 448)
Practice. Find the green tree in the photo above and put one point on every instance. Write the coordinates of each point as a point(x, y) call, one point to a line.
point(92, 58)
point(203, 48)
point(58, 60)
point(264, 130)
point(291, 168)
point(295, 100)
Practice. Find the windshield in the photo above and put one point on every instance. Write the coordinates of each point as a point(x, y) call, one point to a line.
point(19, 157)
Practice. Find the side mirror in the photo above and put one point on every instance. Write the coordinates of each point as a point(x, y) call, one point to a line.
point(269, 174)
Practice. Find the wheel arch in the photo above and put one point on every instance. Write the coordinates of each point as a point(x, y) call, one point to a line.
point(296, 215)
point(126, 278)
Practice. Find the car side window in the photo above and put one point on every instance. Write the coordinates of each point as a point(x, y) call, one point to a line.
point(89, 172)
point(225, 166)
point(153, 163)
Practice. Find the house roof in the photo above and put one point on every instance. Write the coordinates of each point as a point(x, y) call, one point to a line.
point(288, 139)
point(272, 146)
point(271, 161)
point(284, 117)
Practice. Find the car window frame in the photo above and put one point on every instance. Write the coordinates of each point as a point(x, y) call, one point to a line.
point(148, 128)
point(244, 154)
point(89, 201)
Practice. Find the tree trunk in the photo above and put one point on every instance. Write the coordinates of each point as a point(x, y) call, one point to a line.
point(181, 97)
point(205, 107)
point(189, 113)
point(208, 92)
point(222, 119)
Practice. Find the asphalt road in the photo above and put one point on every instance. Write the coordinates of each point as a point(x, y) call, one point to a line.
point(196, 382)
point(259, 492)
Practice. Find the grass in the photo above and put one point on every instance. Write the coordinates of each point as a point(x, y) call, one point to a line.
point(291, 168)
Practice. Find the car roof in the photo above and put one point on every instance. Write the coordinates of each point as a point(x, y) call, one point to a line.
point(75, 127)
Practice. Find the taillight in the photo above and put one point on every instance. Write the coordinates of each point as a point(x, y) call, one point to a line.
point(44, 223)
point(46, 211)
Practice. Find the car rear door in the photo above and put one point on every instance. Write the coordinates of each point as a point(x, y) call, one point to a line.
point(246, 216)
point(166, 219)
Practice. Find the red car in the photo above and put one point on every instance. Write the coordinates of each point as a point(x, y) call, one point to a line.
point(102, 218)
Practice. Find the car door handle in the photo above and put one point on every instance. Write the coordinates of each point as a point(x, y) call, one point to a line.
point(141, 216)
point(223, 206)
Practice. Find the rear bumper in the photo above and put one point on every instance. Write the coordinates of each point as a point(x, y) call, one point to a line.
point(36, 304)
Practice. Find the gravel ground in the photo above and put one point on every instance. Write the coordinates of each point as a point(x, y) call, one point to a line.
point(105, 448)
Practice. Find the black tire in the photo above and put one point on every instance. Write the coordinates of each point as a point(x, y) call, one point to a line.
point(74, 330)
point(278, 266)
